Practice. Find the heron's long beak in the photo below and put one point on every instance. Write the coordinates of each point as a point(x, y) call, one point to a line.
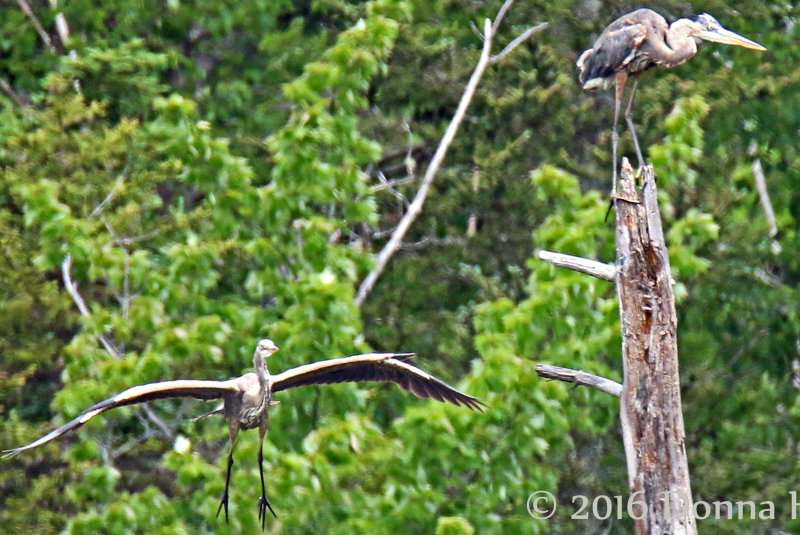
point(727, 37)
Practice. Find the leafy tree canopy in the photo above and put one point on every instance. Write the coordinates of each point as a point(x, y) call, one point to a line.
point(218, 172)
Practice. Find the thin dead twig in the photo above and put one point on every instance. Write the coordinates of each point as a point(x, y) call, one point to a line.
point(766, 204)
point(72, 289)
point(7, 89)
point(26, 8)
point(62, 27)
point(153, 417)
point(518, 41)
point(136, 239)
point(109, 197)
point(472, 223)
point(125, 300)
point(432, 240)
point(501, 14)
point(389, 184)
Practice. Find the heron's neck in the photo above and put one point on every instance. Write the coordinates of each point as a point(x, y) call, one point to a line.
point(260, 364)
point(682, 46)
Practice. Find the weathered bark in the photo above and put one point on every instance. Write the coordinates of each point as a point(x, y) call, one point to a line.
point(650, 405)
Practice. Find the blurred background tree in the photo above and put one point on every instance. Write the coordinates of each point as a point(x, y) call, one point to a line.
point(217, 172)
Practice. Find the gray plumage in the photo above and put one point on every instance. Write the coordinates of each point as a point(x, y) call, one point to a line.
point(638, 41)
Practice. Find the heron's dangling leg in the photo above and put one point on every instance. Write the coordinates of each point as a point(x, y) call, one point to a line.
point(224, 502)
point(621, 78)
point(629, 119)
point(263, 502)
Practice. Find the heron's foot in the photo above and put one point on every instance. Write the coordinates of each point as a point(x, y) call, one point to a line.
point(610, 206)
point(263, 505)
point(224, 503)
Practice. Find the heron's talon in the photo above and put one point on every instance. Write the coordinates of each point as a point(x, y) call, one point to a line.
point(223, 503)
point(263, 505)
point(610, 206)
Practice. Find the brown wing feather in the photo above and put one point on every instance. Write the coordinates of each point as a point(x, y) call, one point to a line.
point(618, 46)
point(136, 394)
point(383, 367)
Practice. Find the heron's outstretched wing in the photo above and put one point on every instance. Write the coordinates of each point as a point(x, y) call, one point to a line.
point(614, 50)
point(137, 394)
point(385, 367)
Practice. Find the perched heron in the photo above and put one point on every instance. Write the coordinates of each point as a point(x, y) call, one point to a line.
point(247, 398)
point(638, 41)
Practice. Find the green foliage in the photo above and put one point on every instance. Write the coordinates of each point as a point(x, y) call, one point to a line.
point(214, 170)
point(683, 144)
point(453, 525)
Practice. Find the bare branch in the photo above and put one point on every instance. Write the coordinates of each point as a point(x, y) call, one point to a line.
point(389, 184)
point(766, 204)
point(113, 454)
point(62, 27)
point(419, 199)
point(501, 13)
point(475, 30)
point(472, 223)
point(415, 208)
point(579, 378)
point(518, 41)
point(581, 265)
point(7, 89)
point(109, 197)
point(763, 194)
point(26, 8)
point(433, 240)
point(405, 152)
point(410, 166)
point(409, 161)
point(72, 289)
point(153, 417)
point(766, 277)
point(134, 239)
point(125, 300)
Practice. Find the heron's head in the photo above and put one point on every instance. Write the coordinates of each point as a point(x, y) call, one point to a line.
point(265, 348)
point(708, 28)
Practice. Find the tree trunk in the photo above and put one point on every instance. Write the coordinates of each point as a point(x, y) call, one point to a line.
point(650, 404)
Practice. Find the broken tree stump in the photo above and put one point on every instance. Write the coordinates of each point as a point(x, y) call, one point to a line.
point(651, 417)
point(650, 403)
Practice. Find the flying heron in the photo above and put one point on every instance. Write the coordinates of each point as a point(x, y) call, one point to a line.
point(247, 398)
point(638, 41)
